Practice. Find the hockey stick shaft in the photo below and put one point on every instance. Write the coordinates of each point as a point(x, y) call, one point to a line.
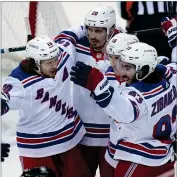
point(28, 29)
point(140, 32)
point(20, 48)
point(13, 49)
point(147, 31)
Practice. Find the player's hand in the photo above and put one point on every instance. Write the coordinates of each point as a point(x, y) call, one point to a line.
point(5, 149)
point(4, 106)
point(164, 71)
point(80, 73)
point(88, 77)
point(170, 29)
point(163, 60)
point(5, 96)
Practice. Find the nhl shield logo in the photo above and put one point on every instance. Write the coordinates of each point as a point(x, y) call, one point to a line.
point(99, 55)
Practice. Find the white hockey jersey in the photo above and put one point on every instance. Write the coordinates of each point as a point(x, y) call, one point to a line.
point(96, 121)
point(48, 122)
point(114, 81)
point(145, 120)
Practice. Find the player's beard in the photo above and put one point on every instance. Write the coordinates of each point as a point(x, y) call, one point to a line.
point(127, 79)
point(97, 46)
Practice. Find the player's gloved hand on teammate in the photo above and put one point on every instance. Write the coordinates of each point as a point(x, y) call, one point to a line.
point(5, 149)
point(164, 71)
point(88, 77)
point(80, 74)
point(92, 79)
point(38, 172)
point(170, 29)
point(163, 60)
point(4, 105)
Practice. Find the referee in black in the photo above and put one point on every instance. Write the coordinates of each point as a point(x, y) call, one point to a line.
point(142, 15)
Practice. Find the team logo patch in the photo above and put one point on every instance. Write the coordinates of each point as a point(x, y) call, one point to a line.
point(99, 55)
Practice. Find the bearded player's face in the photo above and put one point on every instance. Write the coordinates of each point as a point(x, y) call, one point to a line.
point(127, 71)
point(97, 37)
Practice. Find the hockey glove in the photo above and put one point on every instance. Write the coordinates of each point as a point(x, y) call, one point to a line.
point(90, 78)
point(4, 106)
point(163, 60)
point(170, 30)
point(38, 172)
point(164, 71)
point(4, 151)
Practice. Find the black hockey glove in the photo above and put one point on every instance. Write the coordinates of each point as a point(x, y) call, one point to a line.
point(88, 77)
point(4, 99)
point(80, 73)
point(163, 60)
point(38, 172)
point(5, 149)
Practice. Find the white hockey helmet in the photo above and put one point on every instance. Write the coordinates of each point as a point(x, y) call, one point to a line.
point(41, 48)
point(143, 56)
point(101, 16)
point(119, 42)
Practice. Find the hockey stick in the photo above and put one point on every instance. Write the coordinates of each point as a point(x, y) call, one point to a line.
point(13, 49)
point(20, 48)
point(140, 32)
point(146, 31)
point(28, 29)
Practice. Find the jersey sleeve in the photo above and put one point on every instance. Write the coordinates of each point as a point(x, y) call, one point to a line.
point(68, 51)
point(125, 105)
point(15, 91)
point(72, 34)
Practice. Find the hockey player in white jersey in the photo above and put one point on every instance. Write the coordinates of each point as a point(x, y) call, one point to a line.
point(114, 48)
point(145, 110)
point(90, 41)
point(49, 128)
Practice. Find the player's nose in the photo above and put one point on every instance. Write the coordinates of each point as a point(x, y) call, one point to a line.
point(122, 72)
